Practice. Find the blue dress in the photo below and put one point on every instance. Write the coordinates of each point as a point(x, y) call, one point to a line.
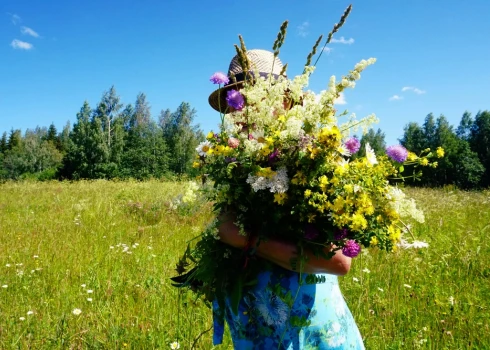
point(319, 318)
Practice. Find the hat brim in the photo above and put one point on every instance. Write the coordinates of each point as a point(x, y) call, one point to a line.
point(217, 99)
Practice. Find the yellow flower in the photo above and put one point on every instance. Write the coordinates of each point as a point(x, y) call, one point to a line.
point(311, 217)
point(280, 198)
point(307, 193)
point(210, 135)
point(411, 156)
point(299, 178)
point(348, 188)
point(338, 204)
point(330, 137)
point(196, 164)
point(424, 161)
point(313, 151)
point(373, 241)
point(266, 172)
point(358, 222)
point(281, 118)
point(394, 234)
point(265, 150)
point(323, 181)
point(440, 152)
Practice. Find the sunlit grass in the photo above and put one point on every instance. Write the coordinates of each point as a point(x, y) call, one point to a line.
point(121, 240)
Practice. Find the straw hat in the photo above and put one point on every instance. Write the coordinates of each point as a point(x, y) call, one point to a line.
point(262, 61)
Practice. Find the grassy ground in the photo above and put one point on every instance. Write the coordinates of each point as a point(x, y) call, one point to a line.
point(108, 248)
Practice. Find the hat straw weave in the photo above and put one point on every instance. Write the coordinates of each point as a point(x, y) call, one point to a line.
point(261, 61)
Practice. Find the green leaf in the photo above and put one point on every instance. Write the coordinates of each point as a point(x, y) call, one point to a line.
point(401, 169)
point(236, 293)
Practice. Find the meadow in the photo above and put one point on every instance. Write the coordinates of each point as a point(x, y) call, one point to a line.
point(86, 265)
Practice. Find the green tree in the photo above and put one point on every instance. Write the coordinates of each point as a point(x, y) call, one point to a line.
point(76, 162)
point(375, 139)
point(464, 129)
point(413, 138)
point(181, 137)
point(480, 142)
point(145, 154)
point(3, 143)
point(15, 139)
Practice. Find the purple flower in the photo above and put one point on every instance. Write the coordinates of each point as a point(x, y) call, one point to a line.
point(353, 145)
point(340, 234)
point(398, 153)
point(311, 232)
point(273, 157)
point(235, 100)
point(351, 248)
point(219, 78)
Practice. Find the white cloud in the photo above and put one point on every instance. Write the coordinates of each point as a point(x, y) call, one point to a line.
point(340, 100)
point(303, 29)
point(342, 40)
point(29, 31)
point(414, 89)
point(14, 18)
point(396, 98)
point(327, 50)
point(21, 45)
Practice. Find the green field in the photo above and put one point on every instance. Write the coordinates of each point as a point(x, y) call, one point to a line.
point(108, 248)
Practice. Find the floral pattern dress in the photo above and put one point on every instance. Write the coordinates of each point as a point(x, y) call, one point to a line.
point(319, 317)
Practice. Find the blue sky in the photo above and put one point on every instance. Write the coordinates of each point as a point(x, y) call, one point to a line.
point(433, 56)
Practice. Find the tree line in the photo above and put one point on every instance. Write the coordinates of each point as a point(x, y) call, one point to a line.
point(466, 163)
point(109, 141)
point(114, 140)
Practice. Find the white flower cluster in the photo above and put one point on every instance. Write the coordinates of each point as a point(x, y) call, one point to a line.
point(277, 183)
point(190, 194)
point(415, 244)
point(353, 125)
point(405, 207)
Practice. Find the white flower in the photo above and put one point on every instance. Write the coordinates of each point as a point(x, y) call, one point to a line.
point(30, 312)
point(175, 345)
point(370, 155)
point(76, 312)
point(407, 286)
point(416, 245)
point(203, 148)
point(22, 318)
point(5, 286)
point(355, 279)
point(451, 300)
point(381, 289)
point(366, 270)
point(89, 299)
point(36, 256)
point(83, 285)
point(7, 265)
point(279, 183)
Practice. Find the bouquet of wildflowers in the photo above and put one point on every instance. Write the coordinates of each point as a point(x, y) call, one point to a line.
point(287, 168)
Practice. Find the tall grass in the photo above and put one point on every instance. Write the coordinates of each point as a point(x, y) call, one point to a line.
point(108, 249)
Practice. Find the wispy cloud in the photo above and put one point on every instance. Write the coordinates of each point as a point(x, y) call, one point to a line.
point(414, 89)
point(21, 45)
point(14, 18)
point(340, 100)
point(29, 31)
point(303, 29)
point(327, 50)
point(396, 98)
point(342, 40)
